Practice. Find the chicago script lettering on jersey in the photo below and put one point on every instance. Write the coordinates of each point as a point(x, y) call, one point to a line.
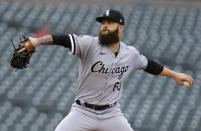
point(100, 67)
point(101, 74)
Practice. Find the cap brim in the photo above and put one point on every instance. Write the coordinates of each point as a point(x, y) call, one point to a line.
point(100, 19)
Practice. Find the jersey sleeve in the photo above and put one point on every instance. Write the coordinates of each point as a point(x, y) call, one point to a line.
point(140, 61)
point(80, 45)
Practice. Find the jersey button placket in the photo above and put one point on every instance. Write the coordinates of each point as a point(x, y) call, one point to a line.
point(112, 66)
point(109, 76)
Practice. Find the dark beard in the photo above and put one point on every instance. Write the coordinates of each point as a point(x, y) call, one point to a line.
point(108, 39)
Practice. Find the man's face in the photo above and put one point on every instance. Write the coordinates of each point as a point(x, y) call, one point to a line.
point(109, 33)
point(108, 26)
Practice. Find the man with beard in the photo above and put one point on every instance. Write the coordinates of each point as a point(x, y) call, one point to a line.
point(105, 61)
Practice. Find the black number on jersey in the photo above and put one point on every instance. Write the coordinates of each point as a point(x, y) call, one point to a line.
point(117, 86)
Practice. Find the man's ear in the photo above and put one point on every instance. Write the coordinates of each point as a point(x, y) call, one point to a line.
point(121, 28)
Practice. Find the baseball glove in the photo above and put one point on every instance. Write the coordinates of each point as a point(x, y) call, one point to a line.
point(21, 60)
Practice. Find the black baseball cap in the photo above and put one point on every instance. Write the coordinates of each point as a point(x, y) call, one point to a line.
point(113, 15)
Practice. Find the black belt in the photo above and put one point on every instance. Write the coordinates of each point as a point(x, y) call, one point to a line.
point(95, 107)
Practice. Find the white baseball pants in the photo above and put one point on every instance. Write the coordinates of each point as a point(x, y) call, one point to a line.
point(78, 121)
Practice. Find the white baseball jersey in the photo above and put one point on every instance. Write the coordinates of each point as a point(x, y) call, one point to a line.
point(101, 73)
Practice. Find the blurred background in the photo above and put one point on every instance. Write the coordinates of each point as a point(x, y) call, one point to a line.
point(37, 98)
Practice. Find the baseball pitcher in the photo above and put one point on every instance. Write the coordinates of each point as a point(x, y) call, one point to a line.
point(105, 61)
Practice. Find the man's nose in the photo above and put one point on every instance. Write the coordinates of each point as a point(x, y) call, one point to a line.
point(105, 26)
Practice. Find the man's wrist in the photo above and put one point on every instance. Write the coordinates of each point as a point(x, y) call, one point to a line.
point(34, 41)
point(171, 74)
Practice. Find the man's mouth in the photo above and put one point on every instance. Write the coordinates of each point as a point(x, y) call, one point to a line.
point(105, 31)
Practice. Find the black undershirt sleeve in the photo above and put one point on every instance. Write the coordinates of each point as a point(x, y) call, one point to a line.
point(62, 40)
point(153, 67)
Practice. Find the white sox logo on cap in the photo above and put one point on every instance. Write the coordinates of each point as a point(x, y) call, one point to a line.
point(114, 15)
point(107, 12)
